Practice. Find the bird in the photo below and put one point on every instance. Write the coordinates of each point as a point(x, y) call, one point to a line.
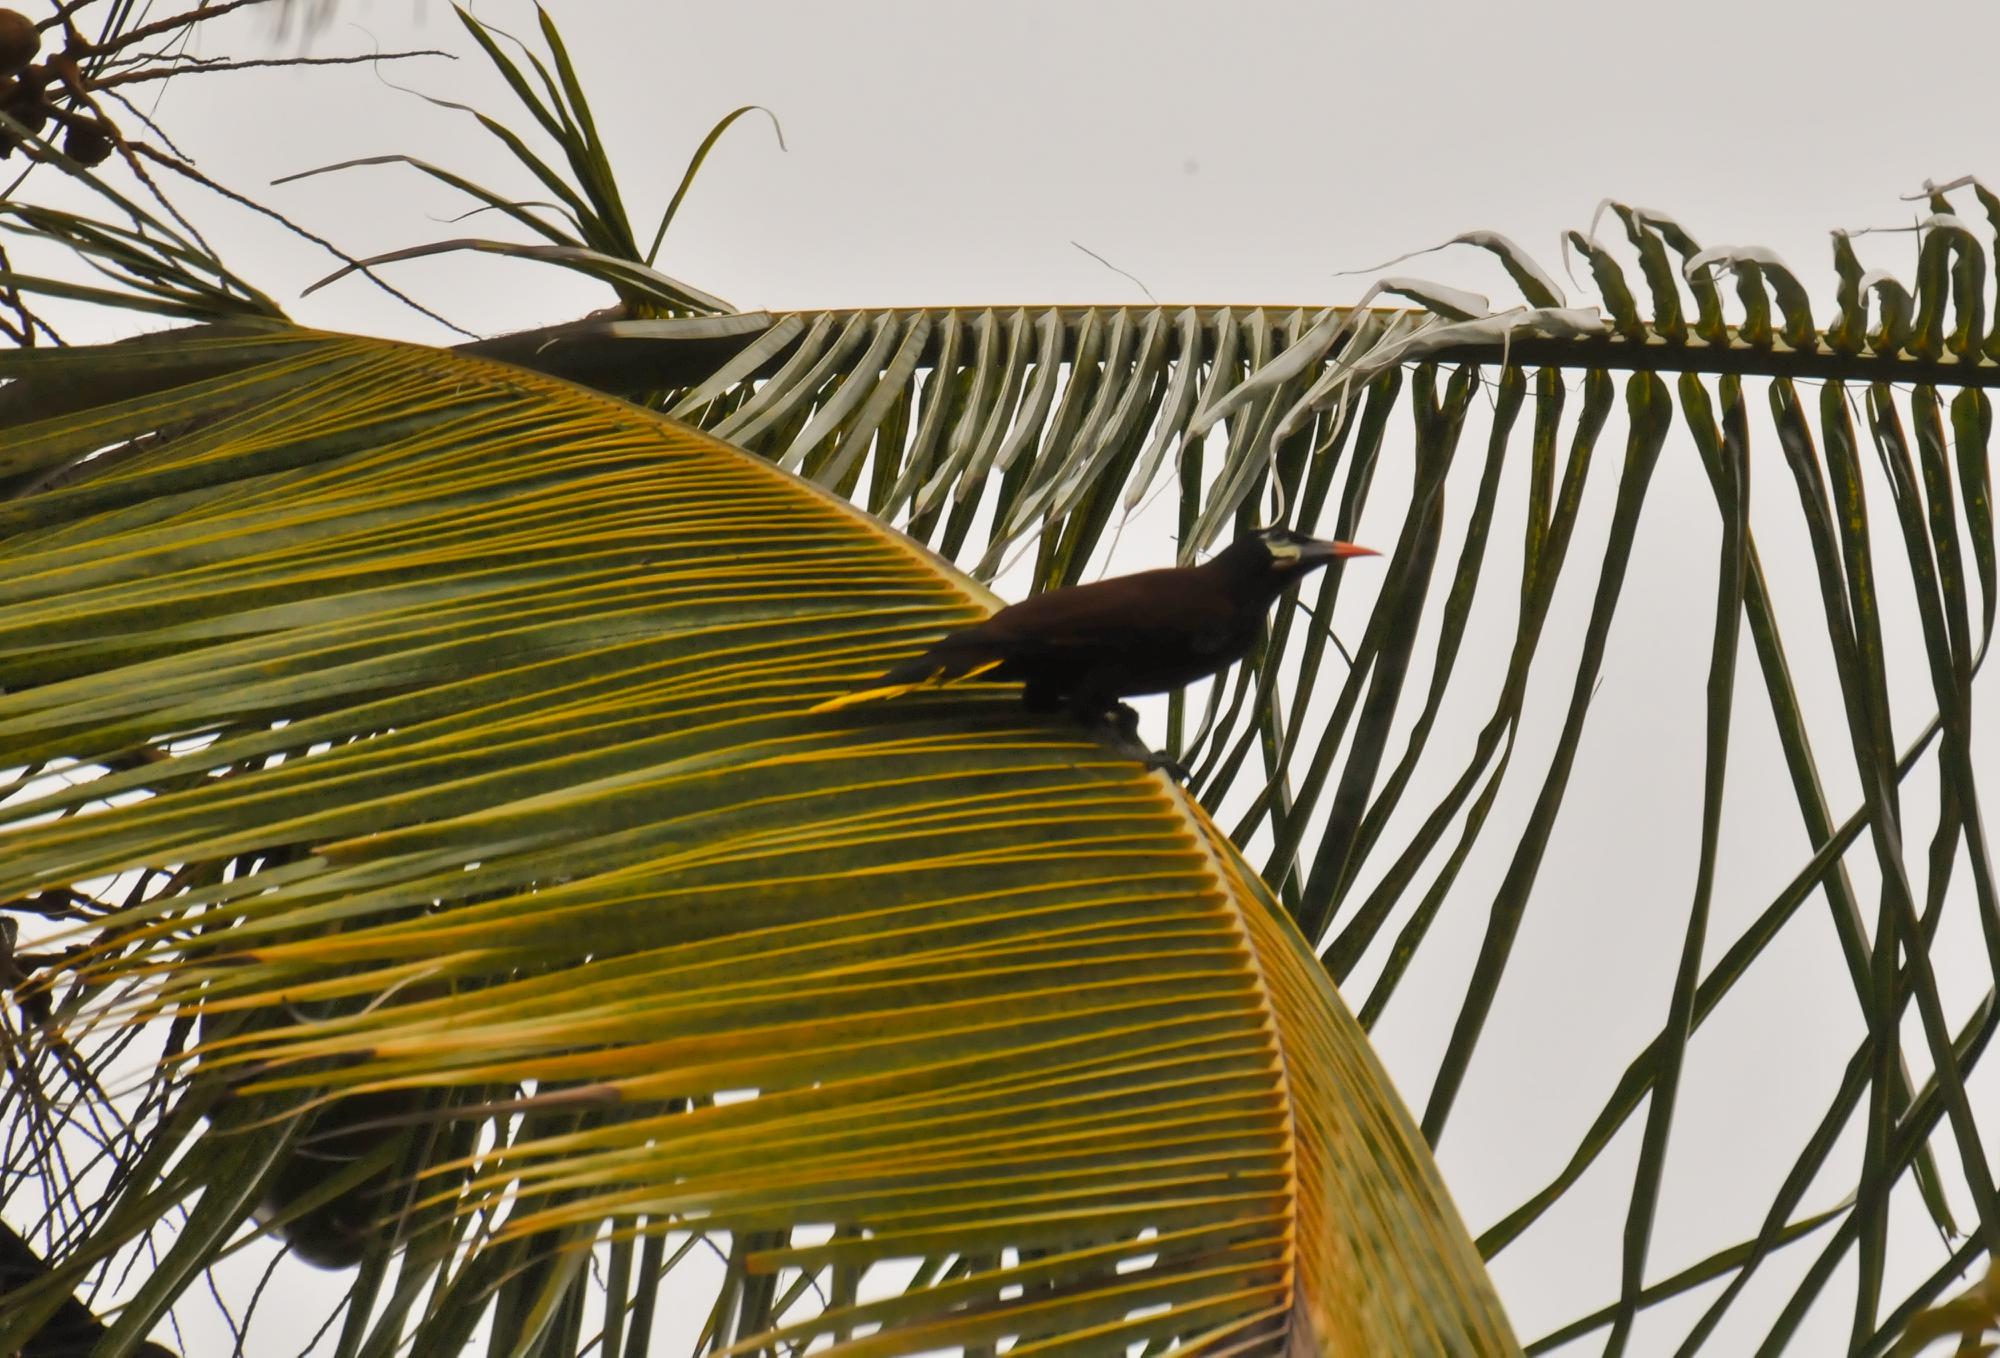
point(1087, 647)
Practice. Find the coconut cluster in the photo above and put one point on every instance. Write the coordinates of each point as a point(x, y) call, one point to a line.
point(26, 88)
point(20, 42)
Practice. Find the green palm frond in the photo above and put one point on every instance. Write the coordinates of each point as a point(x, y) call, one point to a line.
point(586, 226)
point(983, 431)
point(455, 775)
point(1513, 457)
point(139, 263)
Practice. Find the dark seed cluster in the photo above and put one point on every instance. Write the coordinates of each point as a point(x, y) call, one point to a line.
point(30, 90)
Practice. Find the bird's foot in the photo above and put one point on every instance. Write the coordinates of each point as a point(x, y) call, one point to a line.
point(1123, 720)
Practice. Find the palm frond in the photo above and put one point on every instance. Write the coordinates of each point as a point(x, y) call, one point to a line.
point(987, 431)
point(1421, 782)
point(137, 251)
point(586, 227)
point(443, 732)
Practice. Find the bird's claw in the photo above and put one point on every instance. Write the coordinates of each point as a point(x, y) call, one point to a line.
point(1124, 722)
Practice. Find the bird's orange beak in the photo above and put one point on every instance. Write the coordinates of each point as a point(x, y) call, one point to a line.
point(1318, 550)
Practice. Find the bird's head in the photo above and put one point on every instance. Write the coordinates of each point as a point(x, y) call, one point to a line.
point(1264, 562)
point(1280, 555)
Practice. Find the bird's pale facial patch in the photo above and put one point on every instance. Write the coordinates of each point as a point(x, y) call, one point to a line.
point(1283, 553)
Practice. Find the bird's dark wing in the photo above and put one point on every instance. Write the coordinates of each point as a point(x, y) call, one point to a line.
point(1146, 610)
point(1140, 614)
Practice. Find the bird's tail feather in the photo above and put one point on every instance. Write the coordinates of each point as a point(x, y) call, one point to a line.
point(926, 671)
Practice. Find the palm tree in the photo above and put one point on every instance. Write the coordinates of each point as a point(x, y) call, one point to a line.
point(421, 849)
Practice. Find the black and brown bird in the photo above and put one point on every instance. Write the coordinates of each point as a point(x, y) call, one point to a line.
point(1086, 647)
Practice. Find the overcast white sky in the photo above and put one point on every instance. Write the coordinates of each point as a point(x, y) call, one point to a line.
point(1249, 152)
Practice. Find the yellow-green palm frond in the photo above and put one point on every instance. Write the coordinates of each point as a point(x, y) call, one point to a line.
point(438, 734)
